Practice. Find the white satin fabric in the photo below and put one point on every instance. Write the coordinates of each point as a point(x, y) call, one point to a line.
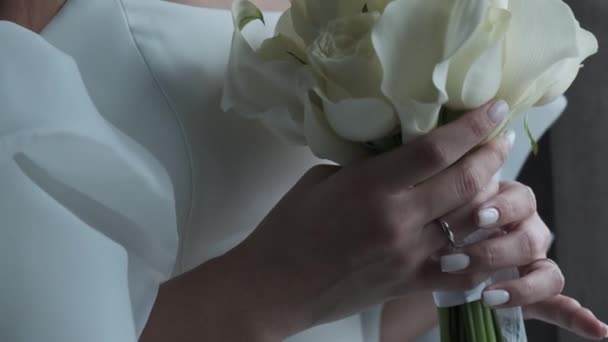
point(118, 170)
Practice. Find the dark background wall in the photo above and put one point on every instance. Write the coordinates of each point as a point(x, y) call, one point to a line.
point(571, 180)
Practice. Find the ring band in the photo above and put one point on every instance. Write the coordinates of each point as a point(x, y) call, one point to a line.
point(448, 232)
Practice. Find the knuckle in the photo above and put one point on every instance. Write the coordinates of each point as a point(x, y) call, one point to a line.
point(525, 290)
point(487, 257)
point(478, 127)
point(531, 244)
point(505, 207)
point(571, 302)
point(499, 153)
point(403, 263)
point(389, 237)
point(469, 182)
point(435, 153)
point(559, 279)
point(531, 199)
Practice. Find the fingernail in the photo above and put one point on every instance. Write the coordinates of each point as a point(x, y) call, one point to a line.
point(488, 217)
point(511, 136)
point(499, 111)
point(496, 297)
point(454, 263)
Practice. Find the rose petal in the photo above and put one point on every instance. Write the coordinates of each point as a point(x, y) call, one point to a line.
point(353, 65)
point(361, 119)
point(325, 143)
point(310, 16)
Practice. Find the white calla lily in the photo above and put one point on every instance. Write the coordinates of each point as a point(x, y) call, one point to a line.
point(543, 35)
point(415, 56)
point(475, 71)
point(280, 81)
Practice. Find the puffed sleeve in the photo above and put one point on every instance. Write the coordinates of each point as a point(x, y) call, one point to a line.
point(88, 228)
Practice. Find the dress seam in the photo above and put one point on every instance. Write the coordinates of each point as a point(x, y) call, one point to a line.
point(179, 264)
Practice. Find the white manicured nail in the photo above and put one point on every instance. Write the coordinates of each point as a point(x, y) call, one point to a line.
point(511, 136)
point(488, 217)
point(454, 263)
point(499, 111)
point(496, 297)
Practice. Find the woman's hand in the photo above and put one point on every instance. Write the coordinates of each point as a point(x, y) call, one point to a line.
point(522, 240)
point(346, 238)
point(341, 240)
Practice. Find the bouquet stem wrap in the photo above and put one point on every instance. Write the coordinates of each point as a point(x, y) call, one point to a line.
point(464, 318)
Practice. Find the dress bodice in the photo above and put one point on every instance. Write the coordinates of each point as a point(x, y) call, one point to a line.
point(125, 147)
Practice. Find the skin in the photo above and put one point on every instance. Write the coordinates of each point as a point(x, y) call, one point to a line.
point(395, 259)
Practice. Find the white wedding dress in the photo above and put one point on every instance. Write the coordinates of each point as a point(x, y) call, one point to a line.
point(118, 170)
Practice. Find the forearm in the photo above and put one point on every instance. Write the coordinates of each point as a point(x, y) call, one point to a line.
point(207, 303)
point(408, 318)
point(31, 14)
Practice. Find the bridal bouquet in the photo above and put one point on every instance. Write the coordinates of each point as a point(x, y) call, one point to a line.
point(353, 78)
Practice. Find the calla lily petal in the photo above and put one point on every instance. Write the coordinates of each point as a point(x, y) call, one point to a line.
point(476, 69)
point(415, 55)
point(279, 82)
point(568, 69)
point(542, 34)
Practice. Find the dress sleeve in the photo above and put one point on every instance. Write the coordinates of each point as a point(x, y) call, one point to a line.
point(88, 226)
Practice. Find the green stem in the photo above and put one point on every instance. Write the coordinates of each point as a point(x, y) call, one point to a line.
point(489, 323)
point(462, 324)
point(497, 328)
point(479, 321)
point(470, 318)
point(445, 324)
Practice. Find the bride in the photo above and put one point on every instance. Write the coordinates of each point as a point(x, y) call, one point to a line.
point(133, 208)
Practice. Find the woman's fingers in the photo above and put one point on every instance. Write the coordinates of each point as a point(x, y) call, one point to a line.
point(514, 203)
point(527, 242)
point(460, 183)
point(541, 280)
point(500, 204)
point(568, 314)
point(427, 156)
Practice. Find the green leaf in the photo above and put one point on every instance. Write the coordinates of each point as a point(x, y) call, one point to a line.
point(533, 142)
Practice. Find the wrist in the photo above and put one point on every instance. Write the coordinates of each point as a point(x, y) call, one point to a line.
point(207, 302)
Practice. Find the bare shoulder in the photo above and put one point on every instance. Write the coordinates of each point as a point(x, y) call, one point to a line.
point(272, 5)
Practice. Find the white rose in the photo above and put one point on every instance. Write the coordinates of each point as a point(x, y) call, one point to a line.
point(341, 73)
